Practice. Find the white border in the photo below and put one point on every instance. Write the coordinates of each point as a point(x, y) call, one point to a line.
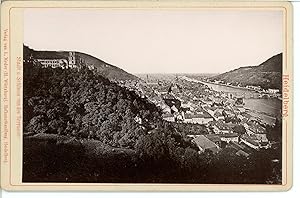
point(292, 192)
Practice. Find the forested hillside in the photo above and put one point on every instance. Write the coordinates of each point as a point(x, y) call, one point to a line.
point(107, 70)
point(267, 74)
point(84, 105)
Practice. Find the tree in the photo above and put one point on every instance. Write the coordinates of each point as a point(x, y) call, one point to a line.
point(56, 126)
point(239, 129)
point(190, 160)
point(152, 147)
point(37, 124)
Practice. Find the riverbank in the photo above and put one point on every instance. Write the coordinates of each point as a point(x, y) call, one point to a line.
point(267, 109)
point(231, 86)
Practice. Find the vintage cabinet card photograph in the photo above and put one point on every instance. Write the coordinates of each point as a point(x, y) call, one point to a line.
point(146, 95)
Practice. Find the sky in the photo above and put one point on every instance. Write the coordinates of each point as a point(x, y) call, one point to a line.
point(160, 41)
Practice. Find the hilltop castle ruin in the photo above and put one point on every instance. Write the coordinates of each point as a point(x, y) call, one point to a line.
point(73, 61)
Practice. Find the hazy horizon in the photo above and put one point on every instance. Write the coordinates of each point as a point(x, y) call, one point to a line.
point(160, 41)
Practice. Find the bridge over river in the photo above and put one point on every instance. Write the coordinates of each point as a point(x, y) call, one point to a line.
point(254, 101)
point(232, 91)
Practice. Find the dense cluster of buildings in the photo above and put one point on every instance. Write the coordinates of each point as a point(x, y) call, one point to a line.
point(229, 124)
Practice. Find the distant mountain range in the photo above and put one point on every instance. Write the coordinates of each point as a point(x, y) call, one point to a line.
point(267, 75)
point(105, 69)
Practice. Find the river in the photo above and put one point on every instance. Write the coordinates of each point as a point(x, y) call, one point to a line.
point(270, 107)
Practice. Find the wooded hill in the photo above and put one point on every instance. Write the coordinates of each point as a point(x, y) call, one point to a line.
point(267, 75)
point(84, 105)
point(105, 69)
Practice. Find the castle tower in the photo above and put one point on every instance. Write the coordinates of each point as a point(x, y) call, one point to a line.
point(72, 61)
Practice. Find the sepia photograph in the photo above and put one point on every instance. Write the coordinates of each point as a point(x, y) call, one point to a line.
point(138, 96)
point(152, 96)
